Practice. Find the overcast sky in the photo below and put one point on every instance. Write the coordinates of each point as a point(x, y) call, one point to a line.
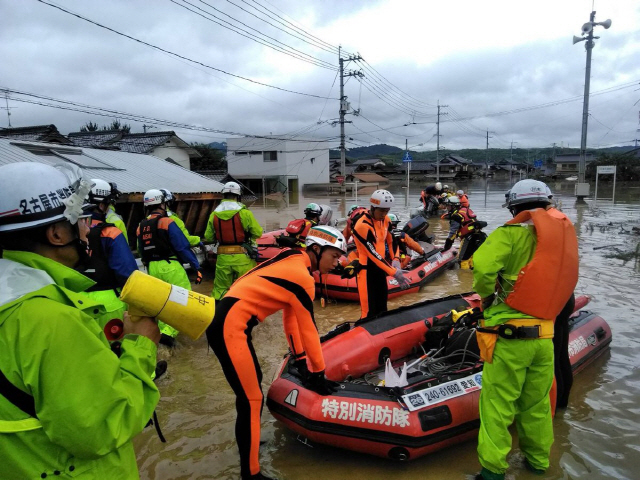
point(477, 58)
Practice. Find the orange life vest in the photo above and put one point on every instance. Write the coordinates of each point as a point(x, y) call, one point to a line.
point(229, 232)
point(545, 283)
point(467, 218)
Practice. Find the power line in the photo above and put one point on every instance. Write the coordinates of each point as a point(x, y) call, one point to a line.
point(175, 54)
point(83, 108)
point(311, 59)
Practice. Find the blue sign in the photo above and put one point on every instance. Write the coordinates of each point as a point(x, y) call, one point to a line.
point(407, 158)
point(537, 164)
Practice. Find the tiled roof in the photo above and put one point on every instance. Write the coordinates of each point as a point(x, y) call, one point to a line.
point(134, 173)
point(36, 133)
point(95, 139)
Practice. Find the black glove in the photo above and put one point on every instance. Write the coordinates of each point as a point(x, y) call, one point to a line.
point(447, 244)
point(198, 280)
point(301, 366)
point(351, 270)
point(316, 382)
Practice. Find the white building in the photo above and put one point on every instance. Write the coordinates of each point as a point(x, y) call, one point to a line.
point(271, 165)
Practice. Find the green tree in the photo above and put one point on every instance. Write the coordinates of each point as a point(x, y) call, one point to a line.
point(89, 127)
point(115, 125)
point(212, 158)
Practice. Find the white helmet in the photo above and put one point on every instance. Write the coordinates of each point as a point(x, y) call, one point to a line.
point(168, 196)
point(153, 197)
point(460, 192)
point(232, 187)
point(527, 191)
point(100, 192)
point(438, 186)
point(33, 194)
point(453, 200)
point(325, 216)
point(445, 187)
point(381, 199)
point(313, 209)
point(326, 237)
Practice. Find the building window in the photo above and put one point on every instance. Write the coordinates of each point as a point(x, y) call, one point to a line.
point(271, 156)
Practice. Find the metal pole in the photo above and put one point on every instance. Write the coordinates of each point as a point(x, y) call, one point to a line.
point(406, 147)
point(438, 145)
point(486, 158)
point(342, 151)
point(585, 106)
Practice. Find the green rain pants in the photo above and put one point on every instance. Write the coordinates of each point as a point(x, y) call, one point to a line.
point(228, 269)
point(171, 272)
point(516, 385)
point(114, 307)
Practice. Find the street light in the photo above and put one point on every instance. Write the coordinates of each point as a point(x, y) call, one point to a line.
point(582, 188)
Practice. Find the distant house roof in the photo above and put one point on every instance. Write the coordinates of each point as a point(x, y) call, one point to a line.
point(134, 173)
point(97, 139)
point(370, 177)
point(573, 158)
point(38, 133)
point(456, 159)
point(130, 142)
point(367, 161)
point(420, 165)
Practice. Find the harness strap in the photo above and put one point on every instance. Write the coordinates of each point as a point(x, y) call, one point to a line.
point(522, 328)
point(17, 397)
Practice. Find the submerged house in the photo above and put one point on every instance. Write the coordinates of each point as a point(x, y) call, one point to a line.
point(134, 174)
point(166, 145)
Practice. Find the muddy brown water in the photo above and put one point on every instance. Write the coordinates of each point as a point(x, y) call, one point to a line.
point(596, 437)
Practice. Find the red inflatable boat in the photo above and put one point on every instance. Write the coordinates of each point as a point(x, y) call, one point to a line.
point(439, 405)
point(267, 246)
point(420, 272)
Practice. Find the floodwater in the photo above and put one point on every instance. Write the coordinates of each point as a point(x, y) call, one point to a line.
point(596, 437)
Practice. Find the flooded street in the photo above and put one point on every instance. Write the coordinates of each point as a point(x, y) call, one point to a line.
point(596, 437)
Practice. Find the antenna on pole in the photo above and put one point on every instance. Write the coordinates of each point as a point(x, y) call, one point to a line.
point(144, 127)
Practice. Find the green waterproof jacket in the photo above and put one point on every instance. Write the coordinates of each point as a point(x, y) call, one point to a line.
point(194, 240)
point(500, 258)
point(89, 403)
point(226, 210)
point(115, 219)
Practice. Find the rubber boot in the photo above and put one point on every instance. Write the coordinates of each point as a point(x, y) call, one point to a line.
point(161, 368)
point(532, 469)
point(489, 475)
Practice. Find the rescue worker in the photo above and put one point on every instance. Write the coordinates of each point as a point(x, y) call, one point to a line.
point(69, 407)
point(461, 220)
point(525, 272)
point(464, 198)
point(430, 198)
point(164, 248)
point(193, 240)
point(234, 228)
point(109, 266)
point(105, 194)
point(312, 213)
point(371, 235)
point(354, 213)
point(402, 243)
point(281, 283)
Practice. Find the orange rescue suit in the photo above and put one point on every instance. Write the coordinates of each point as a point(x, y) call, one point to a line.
point(372, 237)
point(552, 273)
point(281, 283)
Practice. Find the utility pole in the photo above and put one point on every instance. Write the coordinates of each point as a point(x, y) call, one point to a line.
point(511, 161)
point(7, 108)
point(438, 142)
point(486, 158)
point(144, 127)
point(582, 188)
point(344, 105)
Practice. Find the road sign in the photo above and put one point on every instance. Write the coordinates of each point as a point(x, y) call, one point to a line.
point(340, 179)
point(407, 158)
point(537, 164)
point(606, 169)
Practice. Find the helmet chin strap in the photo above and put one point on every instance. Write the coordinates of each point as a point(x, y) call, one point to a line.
point(82, 248)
